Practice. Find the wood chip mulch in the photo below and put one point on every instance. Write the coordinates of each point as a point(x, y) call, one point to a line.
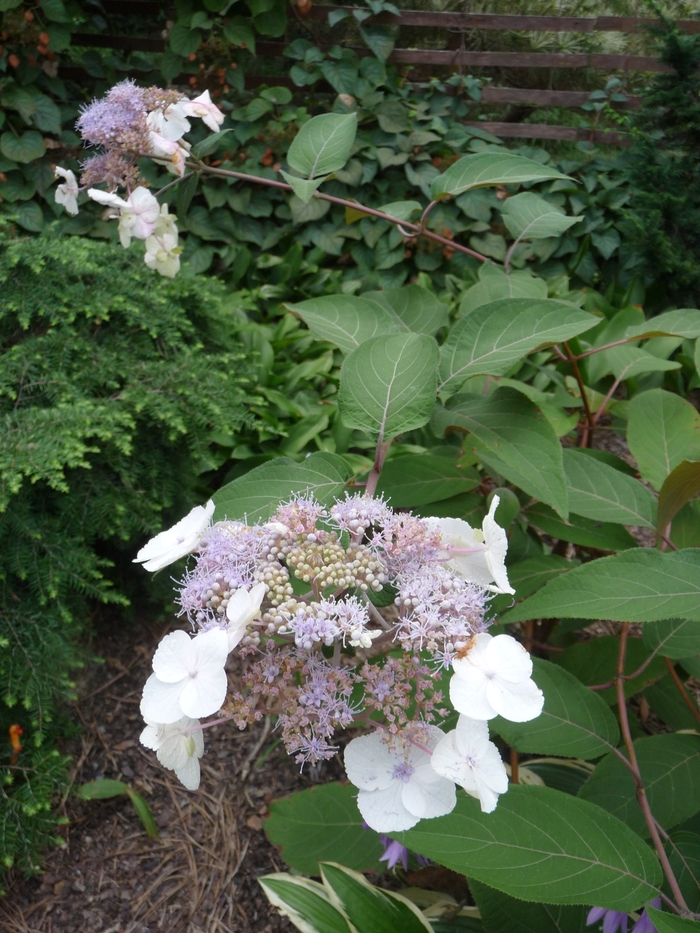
point(201, 877)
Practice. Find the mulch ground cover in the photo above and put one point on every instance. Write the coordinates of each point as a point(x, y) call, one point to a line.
point(201, 877)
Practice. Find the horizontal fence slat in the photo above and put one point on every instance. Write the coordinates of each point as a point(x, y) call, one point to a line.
point(541, 98)
point(509, 22)
point(545, 131)
point(456, 58)
point(459, 58)
point(132, 7)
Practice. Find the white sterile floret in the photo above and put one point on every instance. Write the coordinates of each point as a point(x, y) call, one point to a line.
point(467, 757)
point(242, 608)
point(174, 123)
point(162, 250)
point(178, 746)
point(67, 193)
point(188, 677)
point(176, 542)
point(137, 216)
point(204, 107)
point(477, 555)
point(493, 679)
point(397, 785)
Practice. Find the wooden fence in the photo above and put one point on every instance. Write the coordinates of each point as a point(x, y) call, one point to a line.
point(460, 59)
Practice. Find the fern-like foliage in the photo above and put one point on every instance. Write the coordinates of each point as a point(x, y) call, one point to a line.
point(113, 382)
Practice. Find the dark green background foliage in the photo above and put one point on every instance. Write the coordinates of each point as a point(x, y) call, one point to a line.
point(409, 133)
point(112, 384)
point(664, 172)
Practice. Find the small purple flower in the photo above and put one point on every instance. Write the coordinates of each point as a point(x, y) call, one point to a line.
point(393, 853)
point(613, 920)
point(644, 924)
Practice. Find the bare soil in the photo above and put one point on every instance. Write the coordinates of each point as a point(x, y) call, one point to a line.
point(201, 876)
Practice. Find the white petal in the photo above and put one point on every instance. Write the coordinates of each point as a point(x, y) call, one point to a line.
point(427, 794)
point(516, 702)
point(189, 775)
point(161, 701)
point(107, 198)
point(505, 657)
point(448, 760)
point(468, 693)
point(176, 542)
point(497, 542)
point(150, 737)
point(471, 735)
point(211, 649)
point(384, 811)
point(175, 750)
point(204, 694)
point(174, 656)
point(369, 762)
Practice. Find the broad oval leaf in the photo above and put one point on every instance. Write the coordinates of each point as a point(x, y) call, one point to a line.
point(322, 824)
point(323, 144)
point(345, 320)
point(369, 908)
point(255, 495)
point(499, 912)
point(415, 309)
point(601, 492)
point(679, 488)
point(575, 722)
point(670, 769)
point(642, 585)
point(387, 385)
point(604, 536)
point(684, 856)
point(673, 638)
point(410, 481)
point(305, 903)
point(530, 217)
point(669, 923)
point(683, 322)
point(529, 575)
point(402, 210)
point(540, 844)
point(24, 148)
point(302, 188)
point(496, 335)
point(594, 663)
point(663, 429)
point(494, 284)
point(626, 362)
point(209, 144)
point(490, 168)
point(513, 436)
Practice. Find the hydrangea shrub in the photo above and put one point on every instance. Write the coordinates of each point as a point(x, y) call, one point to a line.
point(348, 611)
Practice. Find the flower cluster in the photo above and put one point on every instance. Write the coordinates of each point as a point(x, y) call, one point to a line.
point(128, 123)
point(341, 614)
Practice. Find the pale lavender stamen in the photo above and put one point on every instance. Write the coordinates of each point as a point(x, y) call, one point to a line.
point(403, 772)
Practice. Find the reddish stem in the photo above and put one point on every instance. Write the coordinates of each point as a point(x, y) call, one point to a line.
point(680, 906)
point(587, 433)
point(411, 228)
point(681, 689)
point(514, 767)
